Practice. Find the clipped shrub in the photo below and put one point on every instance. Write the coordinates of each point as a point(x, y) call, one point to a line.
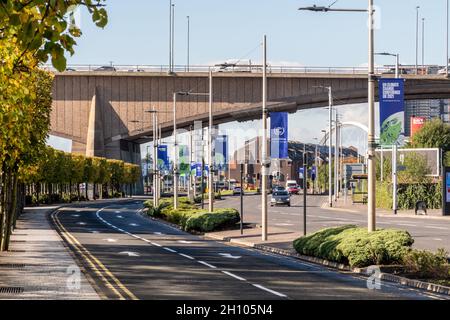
point(356, 246)
point(427, 264)
point(207, 221)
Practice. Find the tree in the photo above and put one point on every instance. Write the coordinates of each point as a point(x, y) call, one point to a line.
point(434, 134)
point(31, 31)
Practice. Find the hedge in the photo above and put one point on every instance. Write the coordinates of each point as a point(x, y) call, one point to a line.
point(355, 246)
point(190, 218)
point(409, 195)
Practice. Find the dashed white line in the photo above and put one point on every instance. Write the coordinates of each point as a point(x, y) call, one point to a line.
point(156, 244)
point(269, 290)
point(207, 264)
point(234, 276)
point(438, 228)
point(186, 256)
point(170, 250)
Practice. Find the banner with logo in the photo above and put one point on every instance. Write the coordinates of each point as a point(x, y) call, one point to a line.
point(221, 152)
point(279, 135)
point(183, 154)
point(392, 111)
point(163, 158)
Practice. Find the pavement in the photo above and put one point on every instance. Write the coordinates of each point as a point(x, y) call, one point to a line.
point(430, 232)
point(39, 265)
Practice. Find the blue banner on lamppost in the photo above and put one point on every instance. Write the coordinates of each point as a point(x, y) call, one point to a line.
point(163, 158)
point(221, 152)
point(392, 110)
point(279, 135)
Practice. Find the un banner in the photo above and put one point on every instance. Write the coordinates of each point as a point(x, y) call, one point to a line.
point(279, 135)
point(221, 152)
point(163, 158)
point(392, 111)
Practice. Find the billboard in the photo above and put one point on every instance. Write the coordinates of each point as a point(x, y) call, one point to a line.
point(392, 111)
point(416, 124)
point(279, 135)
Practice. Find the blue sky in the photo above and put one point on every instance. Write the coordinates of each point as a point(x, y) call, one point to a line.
point(138, 32)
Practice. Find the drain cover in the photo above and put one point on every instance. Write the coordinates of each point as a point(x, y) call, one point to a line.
point(11, 290)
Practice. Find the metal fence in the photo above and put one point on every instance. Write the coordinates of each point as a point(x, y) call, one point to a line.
point(164, 69)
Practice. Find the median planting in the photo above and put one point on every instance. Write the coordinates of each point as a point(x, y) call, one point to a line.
point(355, 246)
point(191, 218)
point(388, 248)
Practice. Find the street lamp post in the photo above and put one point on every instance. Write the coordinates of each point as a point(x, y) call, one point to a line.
point(188, 41)
point(371, 108)
point(264, 145)
point(423, 43)
point(397, 61)
point(175, 156)
point(417, 39)
point(446, 40)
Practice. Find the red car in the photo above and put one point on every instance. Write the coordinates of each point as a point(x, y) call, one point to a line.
point(293, 189)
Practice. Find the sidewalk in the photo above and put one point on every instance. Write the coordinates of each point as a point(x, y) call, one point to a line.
point(342, 206)
point(39, 265)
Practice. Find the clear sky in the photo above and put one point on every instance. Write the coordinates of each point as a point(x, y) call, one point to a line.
point(138, 32)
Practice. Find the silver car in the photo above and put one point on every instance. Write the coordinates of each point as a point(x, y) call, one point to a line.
point(280, 197)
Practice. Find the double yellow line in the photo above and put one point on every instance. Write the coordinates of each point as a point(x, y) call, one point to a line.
point(99, 268)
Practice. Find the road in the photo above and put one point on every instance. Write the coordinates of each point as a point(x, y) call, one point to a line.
point(430, 234)
point(127, 256)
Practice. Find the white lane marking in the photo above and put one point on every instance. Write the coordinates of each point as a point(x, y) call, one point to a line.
point(438, 239)
point(207, 264)
point(94, 231)
point(234, 276)
point(117, 211)
point(407, 225)
point(432, 227)
point(120, 217)
point(158, 233)
point(269, 290)
point(110, 240)
point(130, 253)
point(81, 223)
point(183, 255)
point(229, 256)
point(78, 210)
point(185, 242)
point(186, 256)
point(76, 215)
point(134, 225)
point(283, 224)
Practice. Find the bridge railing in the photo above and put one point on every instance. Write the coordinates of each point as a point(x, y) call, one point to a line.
point(164, 69)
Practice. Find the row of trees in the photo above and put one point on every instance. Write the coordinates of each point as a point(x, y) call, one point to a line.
point(31, 33)
point(60, 176)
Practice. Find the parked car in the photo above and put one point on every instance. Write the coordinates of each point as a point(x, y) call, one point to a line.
point(292, 187)
point(237, 190)
point(281, 197)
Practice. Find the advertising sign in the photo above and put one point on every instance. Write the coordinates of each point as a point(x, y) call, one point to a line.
point(163, 158)
point(279, 135)
point(416, 124)
point(392, 111)
point(221, 152)
point(446, 192)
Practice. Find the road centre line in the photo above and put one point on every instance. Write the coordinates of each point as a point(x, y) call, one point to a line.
point(189, 257)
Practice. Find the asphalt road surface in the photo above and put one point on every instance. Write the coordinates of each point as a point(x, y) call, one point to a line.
point(127, 256)
point(430, 234)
